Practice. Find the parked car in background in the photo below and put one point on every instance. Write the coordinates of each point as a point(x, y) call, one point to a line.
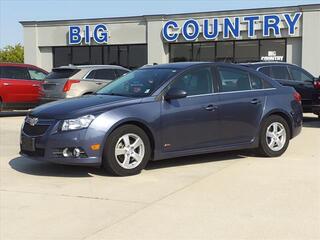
point(165, 111)
point(20, 85)
point(74, 81)
point(291, 75)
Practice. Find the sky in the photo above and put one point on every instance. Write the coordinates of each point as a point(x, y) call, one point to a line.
point(13, 11)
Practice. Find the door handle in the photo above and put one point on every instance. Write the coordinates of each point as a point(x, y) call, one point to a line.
point(98, 83)
point(7, 84)
point(210, 107)
point(35, 85)
point(255, 101)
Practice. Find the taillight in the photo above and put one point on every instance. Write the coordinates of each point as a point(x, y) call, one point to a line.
point(316, 84)
point(68, 84)
point(297, 97)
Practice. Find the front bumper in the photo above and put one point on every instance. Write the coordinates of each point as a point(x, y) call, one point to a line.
point(52, 141)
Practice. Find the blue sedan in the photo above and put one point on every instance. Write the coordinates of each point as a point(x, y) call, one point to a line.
point(165, 111)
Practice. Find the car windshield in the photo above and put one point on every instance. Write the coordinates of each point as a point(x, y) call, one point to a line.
point(139, 83)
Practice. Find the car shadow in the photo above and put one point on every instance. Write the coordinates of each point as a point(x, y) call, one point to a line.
point(32, 167)
point(311, 122)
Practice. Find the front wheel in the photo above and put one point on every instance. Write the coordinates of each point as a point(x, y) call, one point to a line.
point(127, 151)
point(274, 136)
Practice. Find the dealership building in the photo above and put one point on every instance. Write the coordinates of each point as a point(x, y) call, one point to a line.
point(288, 34)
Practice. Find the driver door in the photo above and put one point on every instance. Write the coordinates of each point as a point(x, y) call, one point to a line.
point(191, 122)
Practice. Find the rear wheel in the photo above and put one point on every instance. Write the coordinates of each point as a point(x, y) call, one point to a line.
point(127, 151)
point(274, 136)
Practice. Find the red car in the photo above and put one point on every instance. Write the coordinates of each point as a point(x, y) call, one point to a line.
point(20, 85)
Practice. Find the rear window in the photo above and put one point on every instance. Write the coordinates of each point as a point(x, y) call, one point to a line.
point(62, 73)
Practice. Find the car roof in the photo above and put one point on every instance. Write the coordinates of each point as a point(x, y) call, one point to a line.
point(91, 67)
point(260, 64)
point(185, 65)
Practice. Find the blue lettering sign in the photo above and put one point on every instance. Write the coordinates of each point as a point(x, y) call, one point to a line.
point(74, 35)
point(170, 37)
point(87, 34)
point(215, 31)
point(196, 30)
point(292, 22)
point(251, 20)
point(233, 28)
point(271, 22)
point(100, 33)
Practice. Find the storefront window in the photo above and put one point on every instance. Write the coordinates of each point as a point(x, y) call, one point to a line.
point(273, 50)
point(181, 52)
point(113, 56)
point(204, 52)
point(80, 55)
point(230, 51)
point(137, 56)
point(129, 56)
point(96, 55)
point(123, 56)
point(246, 51)
point(224, 52)
point(62, 56)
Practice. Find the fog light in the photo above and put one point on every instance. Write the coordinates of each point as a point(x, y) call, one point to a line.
point(66, 152)
point(76, 152)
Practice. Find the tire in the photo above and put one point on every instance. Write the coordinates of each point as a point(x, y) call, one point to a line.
point(127, 160)
point(271, 142)
point(0, 105)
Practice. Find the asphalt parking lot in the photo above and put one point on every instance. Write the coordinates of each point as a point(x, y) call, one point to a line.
point(233, 195)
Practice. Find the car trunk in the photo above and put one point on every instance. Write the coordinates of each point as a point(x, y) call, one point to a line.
point(54, 83)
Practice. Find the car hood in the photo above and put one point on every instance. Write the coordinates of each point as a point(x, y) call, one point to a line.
point(76, 107)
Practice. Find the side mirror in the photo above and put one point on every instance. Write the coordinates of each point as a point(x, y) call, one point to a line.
point(175, 93)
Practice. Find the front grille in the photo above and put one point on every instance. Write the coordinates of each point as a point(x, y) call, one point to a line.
point(36, 130)
point(39, 152)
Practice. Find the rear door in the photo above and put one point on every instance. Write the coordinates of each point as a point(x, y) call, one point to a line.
point(97, 79)
point(18, 86)
point(241, 104)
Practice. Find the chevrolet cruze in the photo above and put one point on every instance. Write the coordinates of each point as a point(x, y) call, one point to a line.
point(165, 111)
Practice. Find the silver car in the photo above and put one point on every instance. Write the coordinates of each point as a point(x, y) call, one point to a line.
point(74, 81)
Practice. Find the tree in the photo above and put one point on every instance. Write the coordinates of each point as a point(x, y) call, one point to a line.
point(13, 54)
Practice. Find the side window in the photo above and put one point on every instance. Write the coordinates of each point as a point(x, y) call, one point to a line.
point(105, 74)
point(266, 71)
point(14, 73)
point(36, 75)
point(91, 75)
point(121, 72)
point(280, 72)
point(299, 75)
point(195, 82)
point(232, 79)
point(256, 82)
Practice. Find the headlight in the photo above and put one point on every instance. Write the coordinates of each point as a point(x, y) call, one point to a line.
point(77, 123)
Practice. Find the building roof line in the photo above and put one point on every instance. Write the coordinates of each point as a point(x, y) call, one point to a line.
point(308, 7)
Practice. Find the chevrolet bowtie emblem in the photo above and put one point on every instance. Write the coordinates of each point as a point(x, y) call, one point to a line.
point(32, 121)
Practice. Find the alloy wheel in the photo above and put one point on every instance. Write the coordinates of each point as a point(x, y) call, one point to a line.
point(276, 136)
point(129, 151)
